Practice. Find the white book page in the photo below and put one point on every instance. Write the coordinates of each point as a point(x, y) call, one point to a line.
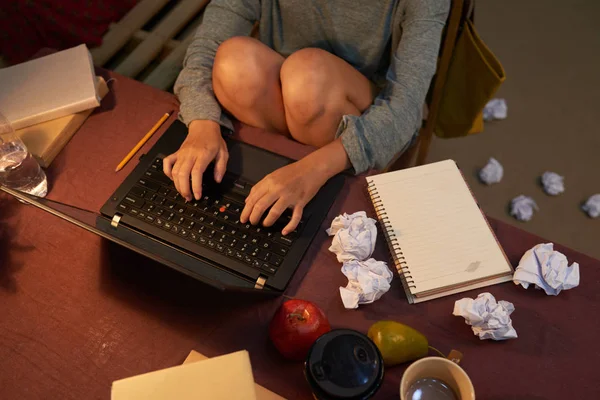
point(443, 236)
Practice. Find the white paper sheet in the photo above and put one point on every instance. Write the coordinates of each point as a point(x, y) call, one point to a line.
point(522, 208)
point(488, 318)
point(547, 269)
point(354, 236)
point(495, 109)
point(553, 183)
point(592, 206)
point(367, 281)
point(492, 172)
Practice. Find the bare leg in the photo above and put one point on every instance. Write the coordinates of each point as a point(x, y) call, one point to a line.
point(318, 90)
point(246, 83)
point(306, 94)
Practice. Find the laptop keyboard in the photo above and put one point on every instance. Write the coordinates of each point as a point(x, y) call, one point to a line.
point(211, 222)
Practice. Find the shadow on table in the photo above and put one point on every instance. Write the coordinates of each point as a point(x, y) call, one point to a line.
point(217, 322)
point(125, 269)
point(8, 248)
point(155, 289)
point(109, 101)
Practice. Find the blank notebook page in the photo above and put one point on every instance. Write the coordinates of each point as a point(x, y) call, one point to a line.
point(441, 233)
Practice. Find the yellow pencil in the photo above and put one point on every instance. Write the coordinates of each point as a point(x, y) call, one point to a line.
point(143, 141)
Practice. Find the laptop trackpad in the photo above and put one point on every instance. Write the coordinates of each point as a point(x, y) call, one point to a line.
point(252, 163)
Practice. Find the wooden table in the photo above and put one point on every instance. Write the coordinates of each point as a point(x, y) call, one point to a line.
point(77, 313)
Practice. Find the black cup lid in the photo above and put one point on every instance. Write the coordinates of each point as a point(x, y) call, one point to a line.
point(344, 364)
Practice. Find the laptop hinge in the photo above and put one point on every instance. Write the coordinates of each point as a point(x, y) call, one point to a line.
point(260, 282)
point(115, 221)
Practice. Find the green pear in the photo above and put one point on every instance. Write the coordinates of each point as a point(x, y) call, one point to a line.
point(398, 343)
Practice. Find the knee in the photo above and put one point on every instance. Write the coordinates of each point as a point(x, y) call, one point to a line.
point(304, 84)
point(237, 74)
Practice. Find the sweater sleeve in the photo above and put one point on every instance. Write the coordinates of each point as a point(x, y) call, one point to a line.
point(390, 123)
point(222, 20)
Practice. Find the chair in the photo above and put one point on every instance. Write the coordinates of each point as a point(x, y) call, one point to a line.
point(417, 153)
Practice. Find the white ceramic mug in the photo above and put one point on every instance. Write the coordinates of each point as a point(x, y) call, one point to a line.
point(440, 368)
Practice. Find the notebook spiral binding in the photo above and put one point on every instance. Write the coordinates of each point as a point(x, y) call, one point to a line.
point(395, 248)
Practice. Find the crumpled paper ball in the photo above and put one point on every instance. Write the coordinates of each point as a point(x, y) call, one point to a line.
point(553, 183)
point(522, 208)
point(492, 172)
point(488, 319)
point(355, 236)
point(344, 221)
point(367, 281)
point(547, 269)
point(592, 206)
point(495, 109)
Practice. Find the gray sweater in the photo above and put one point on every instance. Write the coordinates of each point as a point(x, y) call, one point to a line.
point(394, 43)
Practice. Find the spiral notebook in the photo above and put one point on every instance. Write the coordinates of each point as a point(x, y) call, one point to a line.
point(440, 241)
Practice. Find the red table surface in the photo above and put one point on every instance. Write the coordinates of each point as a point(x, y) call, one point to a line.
point(78, 312)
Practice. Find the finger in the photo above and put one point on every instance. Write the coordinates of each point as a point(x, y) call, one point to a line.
point(182, 178)
point(175, 170)
point(261, 206)
point(168, 163)
point(221, 164)
point(278, 208)
point(255, 194)
point(296, 217)
point(197, 172)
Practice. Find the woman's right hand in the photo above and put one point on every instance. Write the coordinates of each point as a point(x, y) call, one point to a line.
point(202, 145)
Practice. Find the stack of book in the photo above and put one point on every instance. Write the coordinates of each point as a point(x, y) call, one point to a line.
point(228, 377)
point(49, 98)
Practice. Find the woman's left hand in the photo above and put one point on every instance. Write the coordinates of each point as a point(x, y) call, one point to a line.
point(292, 186)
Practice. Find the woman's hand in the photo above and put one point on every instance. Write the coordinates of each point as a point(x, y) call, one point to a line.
point(202, 145)
point(293, 186)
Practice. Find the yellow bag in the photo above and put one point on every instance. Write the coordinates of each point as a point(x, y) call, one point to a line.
point(474, 75)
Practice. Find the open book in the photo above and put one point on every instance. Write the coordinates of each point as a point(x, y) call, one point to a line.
point(440, 241)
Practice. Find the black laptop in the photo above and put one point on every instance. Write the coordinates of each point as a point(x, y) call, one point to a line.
point(205, 238)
